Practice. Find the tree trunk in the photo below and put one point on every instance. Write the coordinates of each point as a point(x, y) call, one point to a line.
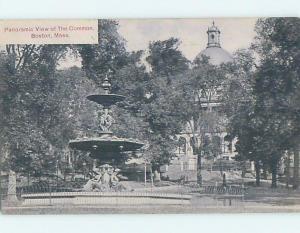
point(145, 174)
point(28, 178)
point(274, 175)
point(221, 167)
point(224, 179)
point(151, 173)
point(199, 169)
point(288, 168)
point(265, 171)
point(296, 168)
point(257, 172)
point(243, 168)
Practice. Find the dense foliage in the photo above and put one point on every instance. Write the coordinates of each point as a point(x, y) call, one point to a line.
point(42, 107)
point(266, 122)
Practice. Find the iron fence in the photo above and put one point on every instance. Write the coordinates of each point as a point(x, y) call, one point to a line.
point(35, 187)
point(50, 189)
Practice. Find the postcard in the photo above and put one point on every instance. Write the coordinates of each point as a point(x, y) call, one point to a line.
point(195, 115)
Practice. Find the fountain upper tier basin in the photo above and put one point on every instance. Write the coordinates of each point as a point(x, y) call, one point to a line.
point(108, 144)
point(106, 99)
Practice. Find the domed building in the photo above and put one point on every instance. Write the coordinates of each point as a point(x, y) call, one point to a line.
point(213, 50)
point(184, 165)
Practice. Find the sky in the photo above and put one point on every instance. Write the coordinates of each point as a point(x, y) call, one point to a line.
point(236, 33)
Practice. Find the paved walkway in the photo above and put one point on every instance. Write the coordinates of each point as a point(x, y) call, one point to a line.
point(199, 204)
point(151, 209)
point(257, 199)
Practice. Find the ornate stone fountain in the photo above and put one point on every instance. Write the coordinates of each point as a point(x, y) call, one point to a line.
point(106, 148)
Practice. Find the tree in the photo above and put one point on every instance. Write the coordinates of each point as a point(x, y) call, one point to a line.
point(238, 104)
point(266, 123)
point(34, 59)
point(28, 106)
point(165, 59)
point(277, 86)
point(273, 117)
point(160, 108)
point(109, 54)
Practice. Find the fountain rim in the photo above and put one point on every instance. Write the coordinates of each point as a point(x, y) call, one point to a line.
point(109, 138)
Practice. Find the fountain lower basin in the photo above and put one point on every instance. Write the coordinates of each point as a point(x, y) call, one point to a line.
point(105, 198)
point(105, 144)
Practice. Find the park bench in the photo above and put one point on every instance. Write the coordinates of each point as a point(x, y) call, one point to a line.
point(226, 193)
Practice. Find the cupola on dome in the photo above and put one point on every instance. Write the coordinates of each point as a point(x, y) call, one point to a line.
point(216, 54)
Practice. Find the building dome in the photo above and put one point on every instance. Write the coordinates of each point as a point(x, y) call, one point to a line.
point(216, 54)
